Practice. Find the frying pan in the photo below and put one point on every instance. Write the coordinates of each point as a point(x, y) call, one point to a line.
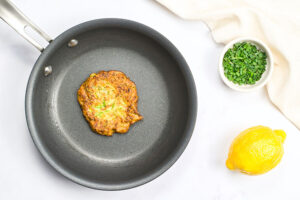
point(167, 100)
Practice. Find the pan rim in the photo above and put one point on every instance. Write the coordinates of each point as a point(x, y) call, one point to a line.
point(192, 94)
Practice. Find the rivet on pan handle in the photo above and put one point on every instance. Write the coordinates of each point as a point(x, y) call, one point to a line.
point(18, 21)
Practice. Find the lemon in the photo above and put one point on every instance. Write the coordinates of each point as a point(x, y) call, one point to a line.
point(256, 150)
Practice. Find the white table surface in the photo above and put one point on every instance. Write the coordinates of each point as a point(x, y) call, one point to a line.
point(200, 173)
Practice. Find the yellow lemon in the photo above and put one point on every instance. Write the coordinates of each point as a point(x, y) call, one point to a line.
point(256, 150)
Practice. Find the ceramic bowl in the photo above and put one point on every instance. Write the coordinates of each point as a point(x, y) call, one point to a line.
point(266, 75)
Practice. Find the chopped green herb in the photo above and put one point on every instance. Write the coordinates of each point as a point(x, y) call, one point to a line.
point(99, 114)
point(103, 105)
point(98, 107)
point(244, 63)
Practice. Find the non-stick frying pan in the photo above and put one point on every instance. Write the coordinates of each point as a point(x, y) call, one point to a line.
point(167, 100)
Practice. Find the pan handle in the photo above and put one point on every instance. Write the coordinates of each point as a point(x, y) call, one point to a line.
point(18, 21)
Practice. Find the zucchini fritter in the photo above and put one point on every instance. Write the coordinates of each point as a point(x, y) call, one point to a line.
point(108, 101)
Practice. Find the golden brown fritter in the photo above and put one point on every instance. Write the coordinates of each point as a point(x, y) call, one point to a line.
point(108, 101)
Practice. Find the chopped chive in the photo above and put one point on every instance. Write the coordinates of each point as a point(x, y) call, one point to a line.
point(244, 63)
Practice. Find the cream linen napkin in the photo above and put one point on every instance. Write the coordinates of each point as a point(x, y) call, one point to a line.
point(276, 22)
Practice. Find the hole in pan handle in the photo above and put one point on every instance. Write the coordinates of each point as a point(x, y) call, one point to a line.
point(18, 21)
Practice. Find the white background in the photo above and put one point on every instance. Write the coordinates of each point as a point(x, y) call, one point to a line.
point(200, 173)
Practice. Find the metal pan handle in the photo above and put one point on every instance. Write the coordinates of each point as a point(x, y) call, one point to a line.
point(18, 21)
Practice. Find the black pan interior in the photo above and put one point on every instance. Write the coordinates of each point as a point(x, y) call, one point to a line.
point(167, 100)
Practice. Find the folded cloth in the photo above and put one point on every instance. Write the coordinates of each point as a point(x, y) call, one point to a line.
point(276, 22)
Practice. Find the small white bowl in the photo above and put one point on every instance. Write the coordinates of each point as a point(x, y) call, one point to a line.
point(266, 75)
